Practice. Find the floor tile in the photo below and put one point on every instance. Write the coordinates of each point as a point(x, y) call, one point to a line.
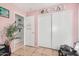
point(32, 51)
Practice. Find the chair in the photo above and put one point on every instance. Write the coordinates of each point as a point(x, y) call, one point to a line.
point(66, 50)
point(4, 50)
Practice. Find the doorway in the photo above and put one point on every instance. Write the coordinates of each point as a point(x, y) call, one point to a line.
point(20, 32)
point(29, 31)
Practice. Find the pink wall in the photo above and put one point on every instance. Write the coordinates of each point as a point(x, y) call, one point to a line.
point(75, 23)
point(70, 6)
point(4, 22)
point(78, 22)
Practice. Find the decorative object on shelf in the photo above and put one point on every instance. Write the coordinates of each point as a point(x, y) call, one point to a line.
point(20, 27)
point(4, 12)
point(19, 19)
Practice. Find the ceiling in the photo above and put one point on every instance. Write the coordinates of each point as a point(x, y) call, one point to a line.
point(33, 6)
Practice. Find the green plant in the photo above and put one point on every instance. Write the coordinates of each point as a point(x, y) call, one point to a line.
point(10, 31)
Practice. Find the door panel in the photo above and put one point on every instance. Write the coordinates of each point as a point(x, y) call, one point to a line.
point(61, 29)
point(45, 30)
point(29, 31)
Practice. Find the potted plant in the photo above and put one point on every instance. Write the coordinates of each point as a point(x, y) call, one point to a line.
point(10, 36)
point(10, 32)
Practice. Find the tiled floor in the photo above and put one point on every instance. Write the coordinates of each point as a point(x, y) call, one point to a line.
point(32, 51)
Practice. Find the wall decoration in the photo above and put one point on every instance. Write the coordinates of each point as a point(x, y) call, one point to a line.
point(4, 12)
point(53, 9)
point(42, 11)
point(58, 8)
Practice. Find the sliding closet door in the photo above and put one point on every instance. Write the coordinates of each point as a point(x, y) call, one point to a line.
point(29, 31)
point(61, 29)
point(44, 30)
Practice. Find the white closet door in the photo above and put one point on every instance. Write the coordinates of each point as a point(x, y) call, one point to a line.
point(44, 30)
point(29, 31)
point(61, 29)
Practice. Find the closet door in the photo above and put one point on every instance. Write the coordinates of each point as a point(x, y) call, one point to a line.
point(61, 29)
point(29, 31)
point(44, 30)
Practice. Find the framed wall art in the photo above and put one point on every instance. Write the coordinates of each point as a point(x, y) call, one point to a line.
point(4, 12)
